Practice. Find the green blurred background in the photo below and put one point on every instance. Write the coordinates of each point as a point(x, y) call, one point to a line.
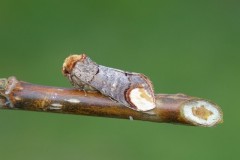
point(191, 47)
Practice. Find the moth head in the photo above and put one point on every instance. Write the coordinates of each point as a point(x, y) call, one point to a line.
point(70, 62)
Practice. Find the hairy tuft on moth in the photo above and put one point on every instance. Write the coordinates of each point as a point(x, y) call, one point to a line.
point(70, 62)
point(133, 90)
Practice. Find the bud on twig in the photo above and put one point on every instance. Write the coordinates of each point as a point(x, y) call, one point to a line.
point(133, 90)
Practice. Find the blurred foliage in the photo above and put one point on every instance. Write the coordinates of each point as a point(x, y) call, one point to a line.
point(187, 46)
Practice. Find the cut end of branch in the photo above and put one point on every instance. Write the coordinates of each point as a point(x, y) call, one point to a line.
point(70, 62)
point(141, 99)
point(202, 113)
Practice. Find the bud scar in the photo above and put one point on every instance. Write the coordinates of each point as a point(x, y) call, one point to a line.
point(133, 90)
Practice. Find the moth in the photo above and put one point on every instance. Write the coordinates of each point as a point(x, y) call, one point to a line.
point(134, 90)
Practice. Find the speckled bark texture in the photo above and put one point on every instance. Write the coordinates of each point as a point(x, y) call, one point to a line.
point(84, 73)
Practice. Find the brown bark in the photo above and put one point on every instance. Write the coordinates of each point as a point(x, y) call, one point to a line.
point(25, 96)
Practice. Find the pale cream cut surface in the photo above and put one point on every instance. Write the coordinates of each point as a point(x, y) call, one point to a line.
point(213, 115)
point(142, 104)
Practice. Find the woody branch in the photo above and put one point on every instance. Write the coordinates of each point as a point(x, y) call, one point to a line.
point(176, 108)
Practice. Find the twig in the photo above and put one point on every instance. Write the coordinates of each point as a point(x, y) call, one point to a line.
point(176, 108)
